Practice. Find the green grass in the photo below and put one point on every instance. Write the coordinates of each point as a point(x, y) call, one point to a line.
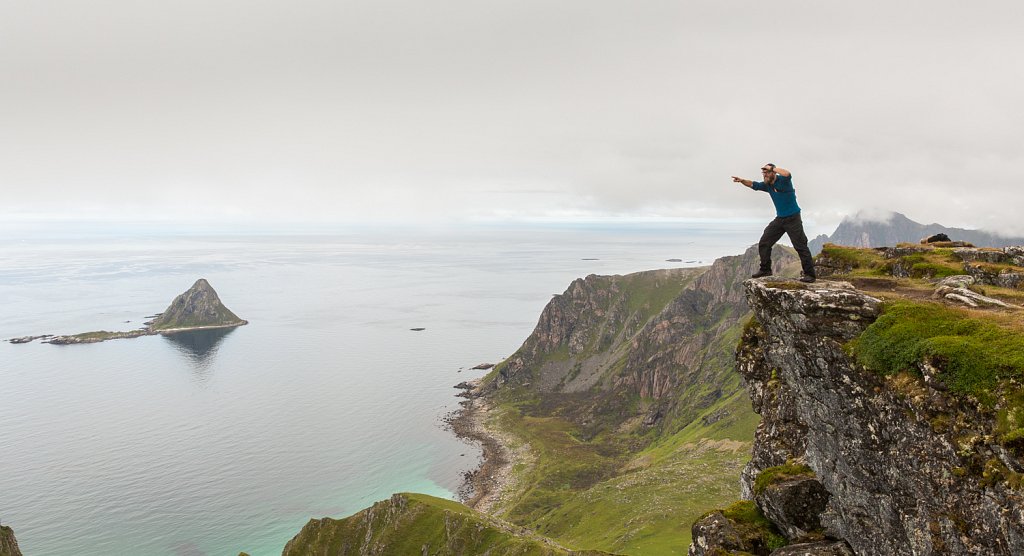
point(601, 495)
point(928, 263)
point(975, 354)
point(933, 264)
point(979, 355)
point(97, 334)
point(855, 257)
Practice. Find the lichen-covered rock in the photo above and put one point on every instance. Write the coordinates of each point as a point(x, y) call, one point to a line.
point(1015, 254)
point(948, 289)
point(794, 505)
point(782, 436)
point(713, 535)
point(983, 254)
point(818, 548)
point(895, 453)
point(1007, 277)
point(958, 281)
point(740, 529)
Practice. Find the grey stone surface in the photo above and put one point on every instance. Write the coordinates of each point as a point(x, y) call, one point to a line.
point(794, 505)
point(820, 548)
point(898, 455)
point(713, 534)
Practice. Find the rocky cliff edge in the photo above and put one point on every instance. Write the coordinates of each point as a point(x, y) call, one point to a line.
point(889, 426)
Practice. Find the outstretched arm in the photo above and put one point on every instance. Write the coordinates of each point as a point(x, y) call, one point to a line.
point(747, 183)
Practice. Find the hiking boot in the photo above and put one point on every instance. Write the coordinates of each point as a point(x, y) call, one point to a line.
point(761, 274)
point(807, 278)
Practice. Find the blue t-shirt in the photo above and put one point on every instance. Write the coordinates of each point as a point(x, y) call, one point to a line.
point(783, 195)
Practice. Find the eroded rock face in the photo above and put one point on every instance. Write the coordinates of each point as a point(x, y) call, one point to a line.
point(794, 506)
point(896, 478)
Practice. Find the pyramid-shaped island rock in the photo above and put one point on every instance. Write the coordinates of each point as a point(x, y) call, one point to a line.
point(199, 307)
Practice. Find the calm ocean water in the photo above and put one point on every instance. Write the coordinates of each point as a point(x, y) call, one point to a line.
point(218, 443)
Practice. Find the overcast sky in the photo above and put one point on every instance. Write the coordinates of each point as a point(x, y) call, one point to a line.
point(410, 110)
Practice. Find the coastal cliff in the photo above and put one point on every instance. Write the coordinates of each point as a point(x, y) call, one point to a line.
point(621, 411)
point(656, 345)
point(892, 419)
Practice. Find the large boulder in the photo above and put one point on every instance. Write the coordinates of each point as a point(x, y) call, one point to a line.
point(794, 505)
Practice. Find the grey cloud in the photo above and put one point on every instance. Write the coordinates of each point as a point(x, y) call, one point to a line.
point(414, 110)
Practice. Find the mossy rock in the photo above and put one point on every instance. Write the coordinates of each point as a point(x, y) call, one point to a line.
point(977, 356)
point(758, 534)
point(781, 473)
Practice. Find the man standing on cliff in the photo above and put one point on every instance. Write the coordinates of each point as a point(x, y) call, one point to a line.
point(778, 182)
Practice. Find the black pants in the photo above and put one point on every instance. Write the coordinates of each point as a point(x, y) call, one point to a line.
point(793, 226)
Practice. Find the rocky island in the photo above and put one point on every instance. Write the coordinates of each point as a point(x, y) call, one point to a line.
point(199, 308)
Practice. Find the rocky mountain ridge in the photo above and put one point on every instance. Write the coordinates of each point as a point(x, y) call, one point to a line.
point(863, 231)
point(660, 337)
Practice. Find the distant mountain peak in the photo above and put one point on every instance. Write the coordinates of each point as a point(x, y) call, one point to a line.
point(199, 306)
point(869, 228)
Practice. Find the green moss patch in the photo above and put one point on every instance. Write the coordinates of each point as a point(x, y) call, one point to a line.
point(974, 354)
point(754, 528)
point(853, 256)
point(781, 473)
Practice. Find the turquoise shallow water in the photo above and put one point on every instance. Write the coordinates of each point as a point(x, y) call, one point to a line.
point(224, 442)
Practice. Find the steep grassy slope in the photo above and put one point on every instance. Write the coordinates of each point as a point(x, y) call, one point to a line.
point(600, 494)
point(419, 524)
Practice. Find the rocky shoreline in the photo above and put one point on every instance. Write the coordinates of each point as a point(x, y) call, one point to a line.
point(485, 486)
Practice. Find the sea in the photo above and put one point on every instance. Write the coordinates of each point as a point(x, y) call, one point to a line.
point(224, 441)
